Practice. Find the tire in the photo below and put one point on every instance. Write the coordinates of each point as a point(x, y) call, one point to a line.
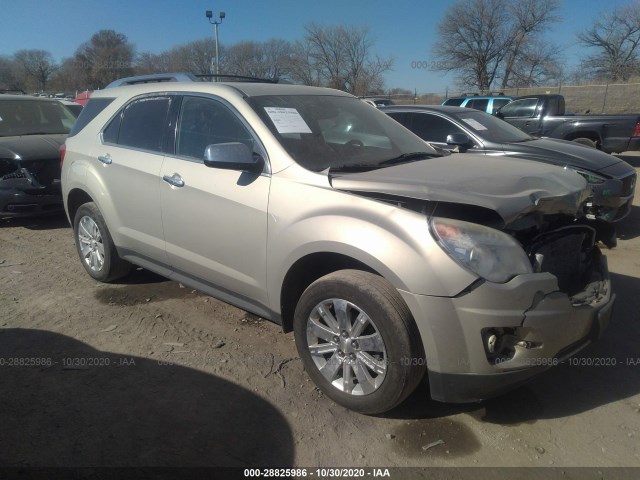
point(369, 379)
point(585, 141)
point(95, 247)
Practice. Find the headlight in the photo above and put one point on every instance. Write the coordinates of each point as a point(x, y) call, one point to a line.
point(592, 178)
point(487, 252)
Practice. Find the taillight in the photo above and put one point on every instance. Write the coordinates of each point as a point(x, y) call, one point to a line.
point(636, 131)
point(63, 152)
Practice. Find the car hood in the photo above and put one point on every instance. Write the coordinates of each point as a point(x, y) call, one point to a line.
point(561, 152)
point(511, 188)
point(32, 147)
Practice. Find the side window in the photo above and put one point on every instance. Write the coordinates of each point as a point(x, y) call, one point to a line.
point(453, 102)
point(499, 102)
point(204, 121)
point(110, 134)
point(431, 128)
point(525, 107)
point(478, 104)
point(399, 117)
point(143, 124)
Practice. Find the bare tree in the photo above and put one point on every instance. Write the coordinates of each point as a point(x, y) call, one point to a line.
point(342, 55)
point(615, 36)
point(36, 64)
point(302, 67)
point(8, 77)
point(484, 41)
point(268, 59)
point(108, 55)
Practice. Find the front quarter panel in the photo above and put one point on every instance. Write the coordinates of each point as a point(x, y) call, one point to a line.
point(308, 216)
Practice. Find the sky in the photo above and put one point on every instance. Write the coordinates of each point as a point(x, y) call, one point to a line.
point(404, 29)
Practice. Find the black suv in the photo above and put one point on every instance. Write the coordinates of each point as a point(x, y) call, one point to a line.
point(31, 133)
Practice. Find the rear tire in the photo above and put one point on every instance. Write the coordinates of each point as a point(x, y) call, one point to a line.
point(358, 341)
point(95, 247)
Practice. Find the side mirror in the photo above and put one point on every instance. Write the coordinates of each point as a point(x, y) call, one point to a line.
point(459, 139)
point(499, 114)
point(232, 156)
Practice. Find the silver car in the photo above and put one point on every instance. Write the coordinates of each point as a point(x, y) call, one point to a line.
point(311, 209)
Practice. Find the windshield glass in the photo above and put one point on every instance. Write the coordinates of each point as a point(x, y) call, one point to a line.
point(491, 128)
point(28, 117)
point(323, 131)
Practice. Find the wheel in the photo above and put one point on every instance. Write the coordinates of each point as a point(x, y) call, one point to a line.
point(585, 141)
point(358, 341)
point(96, 249)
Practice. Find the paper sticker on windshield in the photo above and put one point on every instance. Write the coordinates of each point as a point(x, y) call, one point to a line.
point(474, 124)
point(287, 120)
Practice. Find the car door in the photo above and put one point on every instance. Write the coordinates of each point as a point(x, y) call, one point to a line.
point(131, 155)
point(215, 220)
point(522, 114)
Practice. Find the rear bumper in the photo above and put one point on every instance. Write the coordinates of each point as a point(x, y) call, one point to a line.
point(542, 326)
point(22, 201)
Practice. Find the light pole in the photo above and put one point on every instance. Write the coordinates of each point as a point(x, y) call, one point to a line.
point(215, 24)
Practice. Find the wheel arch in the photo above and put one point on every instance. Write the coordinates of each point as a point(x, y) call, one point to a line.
point(307, 270)
point(75, 199)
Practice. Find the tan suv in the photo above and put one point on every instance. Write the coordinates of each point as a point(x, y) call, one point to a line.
point(311, 209)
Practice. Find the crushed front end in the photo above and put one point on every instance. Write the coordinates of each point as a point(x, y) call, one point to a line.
point(29, 187)
point(509, 332)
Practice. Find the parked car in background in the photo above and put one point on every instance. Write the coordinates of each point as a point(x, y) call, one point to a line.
point(378, 101)
point(31, 132)
point(489, 104)
point(544, 116)
point(82, 98)
point(309, 208)
point(74, 107)
point(611, 179)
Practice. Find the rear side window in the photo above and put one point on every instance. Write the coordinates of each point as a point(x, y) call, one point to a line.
point(499, 102)
point(142, 124)
point(525, 107)
point(453, 102)
point(89, 112)
point(478, 104)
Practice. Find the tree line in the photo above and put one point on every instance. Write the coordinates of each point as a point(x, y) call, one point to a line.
point(486, 44)
point(339, 57)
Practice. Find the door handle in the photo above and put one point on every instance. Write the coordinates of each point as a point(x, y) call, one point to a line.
point(174, 180)
point(106, 159)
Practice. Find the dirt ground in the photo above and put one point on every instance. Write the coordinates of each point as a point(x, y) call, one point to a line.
point(149, 373)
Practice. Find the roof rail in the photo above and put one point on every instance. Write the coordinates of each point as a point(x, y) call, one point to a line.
point(12, 91)
point(154, 78)
point(242, 78)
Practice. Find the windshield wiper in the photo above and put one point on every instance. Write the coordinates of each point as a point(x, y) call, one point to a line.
point(356, 167)
point(409, 157)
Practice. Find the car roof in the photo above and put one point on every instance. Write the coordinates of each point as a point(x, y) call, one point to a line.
point(28, 98)
point(427, 108)
point(248, 89)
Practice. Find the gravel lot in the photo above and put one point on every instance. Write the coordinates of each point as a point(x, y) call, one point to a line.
point(149, 373)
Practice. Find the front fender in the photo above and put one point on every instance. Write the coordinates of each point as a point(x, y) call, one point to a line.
point(307, 219)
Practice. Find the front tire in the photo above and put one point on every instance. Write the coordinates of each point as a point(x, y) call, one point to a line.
point(358, 341)
point(95, 247)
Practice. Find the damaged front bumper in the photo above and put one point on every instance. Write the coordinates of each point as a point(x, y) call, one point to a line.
point(495, 336)
point(19, 197)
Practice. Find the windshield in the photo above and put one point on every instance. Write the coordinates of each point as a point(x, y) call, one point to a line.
point(323, 131)
point(28, 117)
point(491, 128)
